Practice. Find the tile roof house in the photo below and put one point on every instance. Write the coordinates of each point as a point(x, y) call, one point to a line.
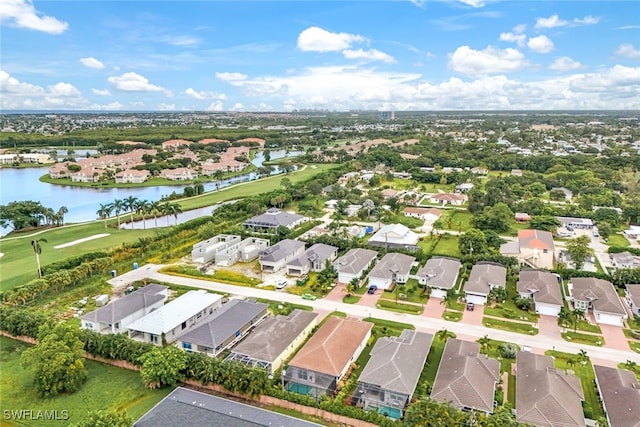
point(274, 258)
point(632, 296)
point(225, 327)
point(179, 174)
point(132, 176)
point(448, 199)
point(313, 259)
point(115, 317)
point(188, 407)
point(392, 268)
point(534, 248)
point(391, 375)
point(431, 214)
point(394, 236)
point(274, 340)
point(354, 263)
point(328, 355)
point(272, 219)
point(543, 288)
point(625, 260)
point(175, 318)
point(440, 274)
point(175, 144)
point(484, 276)
point(620, 392)
point(545, 396)
point(466, 379)
point(598, 296)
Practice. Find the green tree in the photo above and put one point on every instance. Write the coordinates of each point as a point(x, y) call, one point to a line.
point(578, 249)
point(544, 223)
point(605, 229)
point(564, 317)
point(106, 419)
point(19, 215)
point(577, 314)
point(37, 250)
point(473, 241)
point(163, 367)
point(57, 360)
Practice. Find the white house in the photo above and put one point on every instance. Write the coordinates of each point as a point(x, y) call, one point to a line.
point(313, 259)
point(543, 288)
point(393, 267)
point(448, 199)
point(394, 236)
point(354, 263)
point(632, 296)
point(598, 296)
point(425, 214)
point(534, 248)
point(275, 258)
point(484, 276)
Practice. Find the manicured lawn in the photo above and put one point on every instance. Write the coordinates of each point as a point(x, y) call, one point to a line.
point(508, 310)
point(399, 307)
point(633, 368)
point(108, 388)
point(455, 306)
point(491, 349)
point(430, 369)
point(511, 390)
point(585, 326)
point(521, 328)
point(583, 338)
point(353, 299)
point(460, 220)
point(411, 291)
point(617, 240)
point(452, 316)
point(18, 265)
point(151, 182)
point(587, 377)
point(635, 346)
point(448, 246)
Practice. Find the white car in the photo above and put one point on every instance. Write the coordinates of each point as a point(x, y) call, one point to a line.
point(565, 234)
point(281, 285)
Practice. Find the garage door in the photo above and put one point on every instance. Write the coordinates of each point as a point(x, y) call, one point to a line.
point(476, 299)
point(608, 319)
point(438, 293)
point(547, 309)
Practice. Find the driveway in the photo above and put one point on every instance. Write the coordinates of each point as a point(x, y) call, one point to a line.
point(473, 317)
point(433, 308)
point(614, 337)
point(548, 327)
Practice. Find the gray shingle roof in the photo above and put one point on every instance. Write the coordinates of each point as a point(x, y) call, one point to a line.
point(543, 284)
point(466, 378)
point(634, 293)
point(601, 292)
point(441, 271)
point(129, 304)
point(354, 261)
point(546, 397)
point(396, 362)
point(280, 250)
point(620, 395)
point(485, 275)
point(224, 323)
point(319, 251)
point(400, 263)
point(273, 218)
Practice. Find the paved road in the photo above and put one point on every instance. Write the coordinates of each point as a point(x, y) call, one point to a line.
point(599, 355)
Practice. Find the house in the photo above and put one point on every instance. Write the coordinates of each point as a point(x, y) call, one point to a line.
point(391, 375)
point(568, 194)
point(326, 358)
point(188, 407)
point(275, 258)
point(632, 233)
point(425, 214)
point(225, 327)
point(179, 174)
point(391, 269)
point(598, 296)
point(516, 172)
point(115, 317)
point(466, 379)
point(170, 321)
point(632, 296)
point(465, 187)
point(522, 217)
point(543, 288)
point(353, 264)
point(132, 176)
point(448, 199)
point(571, 222)
point(175, 144)
point(274, 340)
point(313, 259)
point(243, 251)
point(484, 276)
point(479, 171)
point(620, 392)
point(545, 396)
point(440, 274)
point(534, 248)
point(205, 251)
point(388, 193)
point(394, 236)
point(625, 260)
point(87, 174)
point(272, 219)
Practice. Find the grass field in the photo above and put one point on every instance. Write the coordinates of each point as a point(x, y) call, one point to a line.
point(588, 339)
point(617, 240)
point(108, 388)
point(447, 245)
point(521, 328)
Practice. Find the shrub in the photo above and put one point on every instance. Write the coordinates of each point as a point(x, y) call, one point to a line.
point(508, 350)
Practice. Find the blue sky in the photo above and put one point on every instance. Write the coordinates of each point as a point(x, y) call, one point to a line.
point(336, 55)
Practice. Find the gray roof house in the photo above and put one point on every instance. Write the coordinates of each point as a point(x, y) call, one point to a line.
point(393, 267)
point(620, 391)
point(273, 341)
point(545, 396)
point(544, 288)
point(599, 296)
point(625, 260)
point(394, 236)
point(575, 222)
point(115, 317)
point(466, 379)
point(354, 263)
point(193, 408)
point(225, 327)
point(440, 274)
point(484, 276)
point(391, 375)
point(313, 259)
point(275, 258)
point(272, 219)
point(632, 295)
point(175, 318)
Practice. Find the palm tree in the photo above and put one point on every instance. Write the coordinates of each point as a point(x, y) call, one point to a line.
point(143, 207)
point(578, 314)
point(175, 209)
point(130, 204)
point(61, 213)
point(37, 250)
point(104, 212)
point(582, 356)
point(118, 206)
point(154, 209)
point(564, 317)
point(484, 342)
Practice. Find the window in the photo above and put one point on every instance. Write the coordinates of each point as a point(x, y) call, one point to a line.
point(199, 315)
point(154, 339)
point(302, 374)
point(184, 325)
point(545, 251)
point(186, 346)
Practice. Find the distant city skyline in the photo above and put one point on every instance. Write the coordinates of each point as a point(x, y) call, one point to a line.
point(389, 55)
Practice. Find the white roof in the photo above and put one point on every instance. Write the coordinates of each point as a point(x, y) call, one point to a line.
point(174, 313)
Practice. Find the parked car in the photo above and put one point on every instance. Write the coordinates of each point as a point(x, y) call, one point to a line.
point(372, 289)
point(309, 297)
point(470, 306)
point(281, 284)
point(565, 234)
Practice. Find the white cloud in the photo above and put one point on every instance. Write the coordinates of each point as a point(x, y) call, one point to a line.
point(64, 89)
point(553, 21)
point(22, 14)
point(12, 86)
point(166, 107)
point(113, 106)
point(473, 3)
point(183, 41)
point(101, 92)
point(91, 62)
point(564, 63)
point(17, 95)
point(513, 37)
point(315, 39)
point(231, 77)
point(587, 20)
point(628, 51)
point(491, 60)
point(201, 95)
point(237, 106)
point(540, 44)
point(134, 82)
point(368, 55)
point(216, 106)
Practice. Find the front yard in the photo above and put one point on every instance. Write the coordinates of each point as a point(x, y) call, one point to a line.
point(519, 327)
point(579, 338)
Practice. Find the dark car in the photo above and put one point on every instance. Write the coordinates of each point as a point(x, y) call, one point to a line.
point(470, 306)
point(372, 289)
